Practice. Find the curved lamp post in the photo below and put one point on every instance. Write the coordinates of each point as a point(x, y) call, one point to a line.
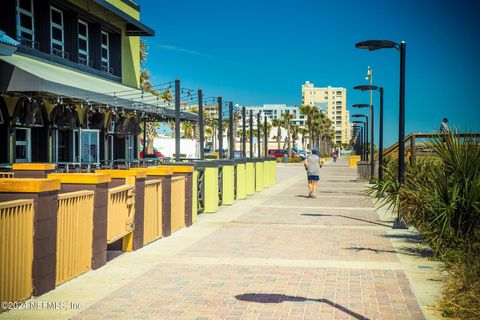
point(372, 139)
point(364, 137)
point(380, 138)
point(372, 45)
point(367, 139)
point(358, 133)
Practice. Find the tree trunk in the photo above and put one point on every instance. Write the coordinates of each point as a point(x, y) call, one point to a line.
point(289, 142)
point(279, 136)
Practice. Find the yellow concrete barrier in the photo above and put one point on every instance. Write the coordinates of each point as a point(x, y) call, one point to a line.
point(74, 234)
point(250, 176)
point(178, 203)
point(352, 161)
point(258, 174)
point(16, 249)
point(241, 181)
point(153, 211)
point(120, 215)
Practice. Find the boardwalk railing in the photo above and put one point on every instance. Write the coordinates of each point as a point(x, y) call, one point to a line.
point(74, 234)
point(4, 175)
point(16, 249)
point(416, 144)
point(121, 212)
point(153, 211)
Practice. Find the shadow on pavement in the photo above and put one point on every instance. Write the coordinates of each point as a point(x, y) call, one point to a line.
point(279, 298)
point(302, 196)
point(415, 252)
point(346, 217)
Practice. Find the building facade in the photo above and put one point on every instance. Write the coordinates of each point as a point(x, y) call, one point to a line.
point(70, 92)
point(333, 101)
point(275, 111)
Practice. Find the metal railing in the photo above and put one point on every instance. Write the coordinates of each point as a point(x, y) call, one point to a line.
point(85, 62)
point(153, 211)
point(201, 190)
point(220, 184)
point(121, 212)
point(4, 175)
point(74, 234)
point(16, 249)
point(60, 53)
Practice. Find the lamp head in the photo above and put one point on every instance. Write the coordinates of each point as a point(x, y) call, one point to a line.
point(365, 87)
point(361, 105)
point(376, 44)
point(359, 115)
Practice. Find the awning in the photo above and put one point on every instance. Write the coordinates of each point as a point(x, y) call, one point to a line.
point(20, 73)
point(133, 26)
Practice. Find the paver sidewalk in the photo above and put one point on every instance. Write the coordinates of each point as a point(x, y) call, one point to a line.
point(276, 255)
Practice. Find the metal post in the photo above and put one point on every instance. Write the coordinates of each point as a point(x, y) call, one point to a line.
point(366, 146)
point(265, 136)
point(144, 137)
point(372, 142)
point(259, 134)
point(251, 134)
point(177, 120)
point(380, 138)
point(244, 133)
point(230, 130)
point(220, 129)
point(201, 125)
point(401, 118)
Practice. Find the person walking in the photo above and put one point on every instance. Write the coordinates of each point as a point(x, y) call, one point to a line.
point(334, 155)
point(444, 126)
point(312, 165)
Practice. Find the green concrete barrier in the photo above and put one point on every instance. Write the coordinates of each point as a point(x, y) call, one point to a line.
point(240, 179)
point(272, 170)
point(250, 176)
point(227, 191)
point(259, 174)
point(208, 186)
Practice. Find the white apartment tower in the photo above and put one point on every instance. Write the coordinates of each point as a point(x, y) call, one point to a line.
point(334, 100)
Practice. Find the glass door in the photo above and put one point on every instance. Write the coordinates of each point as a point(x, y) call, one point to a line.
point(23, 148)
point(89, 146)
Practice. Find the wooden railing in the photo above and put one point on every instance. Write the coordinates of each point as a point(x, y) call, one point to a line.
point(121, 212)
point(153, 211)
point(416, 144)
point(178, 203)
point(16, 249)
point(4, 175)
point(74, 234)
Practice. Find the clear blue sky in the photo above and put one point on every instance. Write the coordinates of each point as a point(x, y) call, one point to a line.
point(256, 52)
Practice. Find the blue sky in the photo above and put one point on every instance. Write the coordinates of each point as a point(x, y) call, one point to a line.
point(256, 52)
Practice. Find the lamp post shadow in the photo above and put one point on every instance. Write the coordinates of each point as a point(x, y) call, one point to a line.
point(279, 298)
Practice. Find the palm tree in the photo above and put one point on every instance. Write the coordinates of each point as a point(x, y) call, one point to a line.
point(311, 112)
point(188, 130)
point(279, 124)
point(287, 117)
point(295, 130)
point(304, 132)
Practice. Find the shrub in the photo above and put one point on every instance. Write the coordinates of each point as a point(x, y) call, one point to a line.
point(440, 197)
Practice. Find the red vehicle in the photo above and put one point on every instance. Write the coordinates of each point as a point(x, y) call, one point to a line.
point(280, 153)
point(155, 154)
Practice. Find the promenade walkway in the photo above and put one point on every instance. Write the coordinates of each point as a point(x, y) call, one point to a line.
point(276, 255)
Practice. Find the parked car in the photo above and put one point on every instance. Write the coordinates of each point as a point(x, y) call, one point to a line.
point(280, 153)
point(276, 153)
point(301, 153)
point(155, 154)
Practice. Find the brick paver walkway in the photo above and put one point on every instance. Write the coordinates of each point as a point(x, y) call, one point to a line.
point(276, 255)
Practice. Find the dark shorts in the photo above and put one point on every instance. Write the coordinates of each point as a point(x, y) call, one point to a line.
point(313, 178)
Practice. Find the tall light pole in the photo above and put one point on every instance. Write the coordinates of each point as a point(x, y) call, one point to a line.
point(367, 140)
point(402, 48)
point(364, 137)
point(380, 136)
point(372, 141)
point(371, 45)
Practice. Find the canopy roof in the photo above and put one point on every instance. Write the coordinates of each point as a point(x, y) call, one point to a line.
point(24, 74)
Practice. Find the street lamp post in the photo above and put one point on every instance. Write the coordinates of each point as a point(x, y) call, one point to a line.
point(402, 48)
point(372, 140)
point(364, 137)
point(380, 135)
point(358, 139)
point(367, 140)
